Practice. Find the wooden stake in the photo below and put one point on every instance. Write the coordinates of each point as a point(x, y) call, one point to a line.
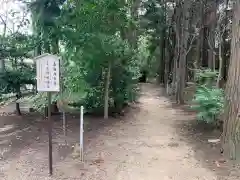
point(50, 133)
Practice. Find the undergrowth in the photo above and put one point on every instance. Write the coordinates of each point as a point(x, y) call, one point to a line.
point(208, 100)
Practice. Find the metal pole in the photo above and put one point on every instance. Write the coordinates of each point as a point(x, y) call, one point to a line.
point(81, 133)
point(50, 133)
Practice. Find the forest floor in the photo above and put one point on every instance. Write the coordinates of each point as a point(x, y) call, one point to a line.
point(155, 140)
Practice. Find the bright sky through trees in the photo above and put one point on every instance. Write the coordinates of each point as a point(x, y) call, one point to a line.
point(13, 14)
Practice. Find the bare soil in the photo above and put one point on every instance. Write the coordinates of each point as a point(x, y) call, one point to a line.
point(153, 141)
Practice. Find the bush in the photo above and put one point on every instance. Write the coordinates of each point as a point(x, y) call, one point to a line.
point(125, 72)
point(208, 102)
point(206, 77)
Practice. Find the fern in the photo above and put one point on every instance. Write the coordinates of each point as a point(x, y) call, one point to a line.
point(208, 102)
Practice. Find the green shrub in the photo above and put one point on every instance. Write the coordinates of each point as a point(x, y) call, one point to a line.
point(208, 102)
point(206, 77)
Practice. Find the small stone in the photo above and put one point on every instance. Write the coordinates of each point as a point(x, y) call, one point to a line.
point(213, 140)
point(222, 160)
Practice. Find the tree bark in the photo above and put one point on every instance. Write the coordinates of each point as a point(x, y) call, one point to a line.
point(183, 50)
point(231, 113)
point(220, 63)
point(177, 18)
point(2, 59)
point(18, 96)
point(161, 57)
point(225, 48)
point(205, 48)
point(166, 47)
point(106, 94)
point(167, 60)
point(222, 39)
point(212, 29)
point(199, 49)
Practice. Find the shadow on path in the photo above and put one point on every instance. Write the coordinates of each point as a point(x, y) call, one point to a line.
point(197, 134)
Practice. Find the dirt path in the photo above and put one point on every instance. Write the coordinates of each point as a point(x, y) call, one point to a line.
point(147, 144)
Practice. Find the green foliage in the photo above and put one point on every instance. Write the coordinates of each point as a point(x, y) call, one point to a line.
point(143, 54)
point(16, 45)
point(90, 34)
point(153, 21)
point(89, 71)
point(91, 31)
point(14, 48)
point(206, 77)
point(208, 102)
point(12, 80)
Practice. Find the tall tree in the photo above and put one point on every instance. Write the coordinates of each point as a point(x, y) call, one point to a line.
point(231, 136)
point(181, 83)
point(44, 18)
point(212, 19)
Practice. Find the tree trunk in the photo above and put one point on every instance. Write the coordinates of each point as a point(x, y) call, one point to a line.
point(55, 45)
point(18, 96)
point(174, 66)
point(167, 61)
point(225, 44)
point(183, 51)
point(225, 58)
point(106, 94)
point(161, 57)
point(176, 50)
point(166, 47)
point(212, 29)
point(133, 32)
point(231, 113)
point(220, 63)
point(18, 111)
point(2, 65)
point(222, 38)
point(205, 48)
point(199, 56)
point(2, 59)
point(47, 47)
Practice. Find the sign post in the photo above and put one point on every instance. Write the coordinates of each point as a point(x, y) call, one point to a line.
point(81, 134)
point(50, 134)
point(48, 81)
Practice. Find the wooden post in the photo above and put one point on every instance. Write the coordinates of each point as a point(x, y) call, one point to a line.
point(50, 134)
point(47, 67)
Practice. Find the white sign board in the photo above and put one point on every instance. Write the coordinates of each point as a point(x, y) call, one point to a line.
point(47, 73)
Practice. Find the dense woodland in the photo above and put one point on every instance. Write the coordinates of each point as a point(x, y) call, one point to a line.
point(191, 47)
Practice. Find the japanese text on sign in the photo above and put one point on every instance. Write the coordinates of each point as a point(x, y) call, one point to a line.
point(47, 73)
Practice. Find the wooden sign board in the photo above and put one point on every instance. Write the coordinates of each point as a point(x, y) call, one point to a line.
point(48, 73)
